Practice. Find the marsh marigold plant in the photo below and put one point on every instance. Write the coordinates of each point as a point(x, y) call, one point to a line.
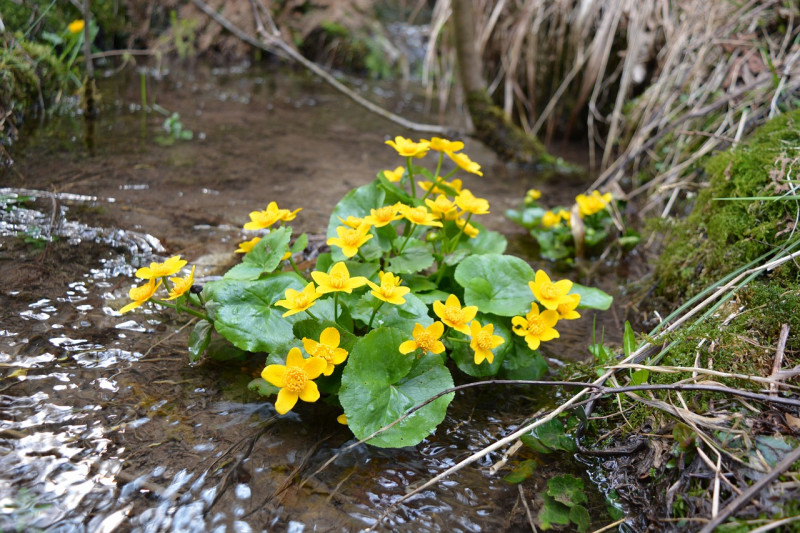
point(412, 287)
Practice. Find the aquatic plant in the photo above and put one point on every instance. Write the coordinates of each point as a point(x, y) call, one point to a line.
point(410, 283)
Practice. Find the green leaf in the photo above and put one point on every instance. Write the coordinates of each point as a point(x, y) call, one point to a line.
point(199, 339)
point(486, 242)
point(264, 257)
point(628, 339)
point(520, 362)
point(300, 244)
point(553, 513)
point(640, 377)
point(220, 349)
point(592, 298)
point(355, 203)
point(379, 384)
point(429, 297)
point(548, 437)
point(244, 312)
point(567, 489)
point(523, 471)
point(262, 387)
point(579, 516)
point(402, 317)
point(464, 356)
point(419, 283)
point(313, 329)
point(416, 257)
point(497, 284)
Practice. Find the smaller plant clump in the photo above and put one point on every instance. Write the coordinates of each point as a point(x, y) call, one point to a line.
point(559, 234)
point(412, 281)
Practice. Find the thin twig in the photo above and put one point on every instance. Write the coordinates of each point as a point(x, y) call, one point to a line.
point(753, 490)
point(778, 363)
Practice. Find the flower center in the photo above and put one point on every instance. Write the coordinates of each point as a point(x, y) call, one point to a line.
point(296, 380)
point(536, 327)
point(453, 315)
point(351, 237)
point(338, 281)
point(384, 214)
point(484, 340)
point(550, 291)
point(324, 351)
point(301, 300)
point(424, 341)
point(418, 215)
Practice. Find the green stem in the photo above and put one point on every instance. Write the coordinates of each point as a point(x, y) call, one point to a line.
point(411, 178)
point(178, 307)
point(336, 306)
point(463, 341)
point(460, 233)
point(312, 314)
point(403, 246)
point(374, 312)
point(436, 178)
point(297, 270)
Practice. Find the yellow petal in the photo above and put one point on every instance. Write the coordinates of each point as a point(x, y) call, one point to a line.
point(330, 337)
point(275, 374)
point(407, 347)
point(285, 402)
point(310, 392)
point(314, 366)
point(436, 329)
point(295, 358)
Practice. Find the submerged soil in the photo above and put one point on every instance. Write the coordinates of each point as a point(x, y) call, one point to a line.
point(107, 425)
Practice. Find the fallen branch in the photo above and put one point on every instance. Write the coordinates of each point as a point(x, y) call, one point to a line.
point(275, 41)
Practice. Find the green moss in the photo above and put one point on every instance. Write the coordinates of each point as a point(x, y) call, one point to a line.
point(720, 236)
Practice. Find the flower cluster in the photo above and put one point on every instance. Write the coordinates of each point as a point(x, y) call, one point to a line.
point(564, 231)
point(156, 274)
point(539, 326)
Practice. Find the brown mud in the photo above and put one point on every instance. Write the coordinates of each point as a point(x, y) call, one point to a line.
point(105, 424)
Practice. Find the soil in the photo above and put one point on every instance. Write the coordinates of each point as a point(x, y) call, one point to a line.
point(106, 422)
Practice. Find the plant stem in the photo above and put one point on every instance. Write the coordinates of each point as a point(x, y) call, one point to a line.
point(403, 246)
point(411, 178)
point(311, 314)
point(336, 306)
point(436, 178)
point(297, 270)
point(178, 307)
point(375, 312)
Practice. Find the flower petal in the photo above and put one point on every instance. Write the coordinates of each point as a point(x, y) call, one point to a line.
point(275, 374)
point(407, 347)
point(314, 366)
point(310, 392)
point(295, 358)
point(285, 402)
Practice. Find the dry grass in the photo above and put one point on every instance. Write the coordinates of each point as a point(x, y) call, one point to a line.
point(656, 81)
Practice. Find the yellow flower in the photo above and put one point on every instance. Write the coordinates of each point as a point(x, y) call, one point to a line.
point(171, 266)
point(394, 175)
point(351, 221)
point(326, 349)
point(389, 290)
point(443, 145)
point(140, 295)
point(469, 203)
point(294, 379)
point(288, 216)
point(383, 215)
point(298, 301)
point(342, 419)
point(550, 294)
point(409, 148)
point(484, 341)
point(469, 230)
point(351, 239)
point(426, 186)
point(594, 203)
point(532, 195)
point(76, 26)
point(536, 327)
point(564, 215)
point(463, 161)
point(550, 219)
point(267, 217)
point(442, 207)
point(566, 310)
point(419, 216)
point(246, 246)
point(338, 280)
point(425, 339)
point(181, 285)
point(454, 315)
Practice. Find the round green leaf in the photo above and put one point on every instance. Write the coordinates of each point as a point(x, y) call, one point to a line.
point(244, 312)
point(592, 298)
point(379, 384)
point(497, 284)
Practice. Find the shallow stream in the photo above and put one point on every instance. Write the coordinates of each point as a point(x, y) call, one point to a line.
point(105, 426)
